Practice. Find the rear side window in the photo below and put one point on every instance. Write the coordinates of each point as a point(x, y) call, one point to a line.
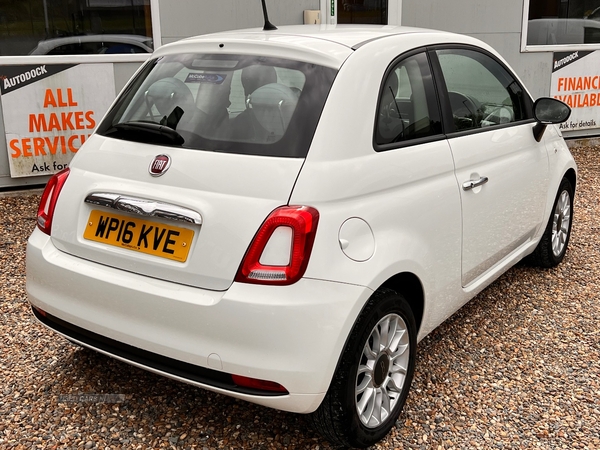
point(238, 104)
point(408, 108)
point(481, 92)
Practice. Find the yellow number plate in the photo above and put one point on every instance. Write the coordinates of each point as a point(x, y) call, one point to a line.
point(139, 235)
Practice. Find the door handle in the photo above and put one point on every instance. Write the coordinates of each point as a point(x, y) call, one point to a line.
point(468, 185)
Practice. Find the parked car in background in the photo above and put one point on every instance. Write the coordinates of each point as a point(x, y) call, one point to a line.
point(594, 15)
point(556, 31)
point(94, 44)
point(281, 216)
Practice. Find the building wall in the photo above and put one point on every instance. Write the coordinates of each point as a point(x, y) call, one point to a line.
point(203, 17)
point(497, 23)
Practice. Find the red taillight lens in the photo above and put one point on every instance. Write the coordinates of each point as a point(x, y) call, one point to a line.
point(49, 198)
point(302, 220)
point(261, 385)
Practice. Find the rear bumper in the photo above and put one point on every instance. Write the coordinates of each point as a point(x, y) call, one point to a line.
point(291, 335)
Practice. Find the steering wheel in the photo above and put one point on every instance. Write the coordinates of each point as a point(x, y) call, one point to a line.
point(500, 114)
point(464, 110)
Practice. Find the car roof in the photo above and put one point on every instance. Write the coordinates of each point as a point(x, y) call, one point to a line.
point(329, 45)
point(348, 35)
point(99, 38)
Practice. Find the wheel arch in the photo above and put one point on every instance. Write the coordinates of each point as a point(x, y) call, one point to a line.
point(572, 177)
point(406, 284)
point(334, 417)
point(410, 286)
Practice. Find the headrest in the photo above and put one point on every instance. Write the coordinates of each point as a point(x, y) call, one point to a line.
point(167, 93)
point(273, 106)
point(254, 77)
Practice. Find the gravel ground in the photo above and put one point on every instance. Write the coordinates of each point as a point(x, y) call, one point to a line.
point(518, 367)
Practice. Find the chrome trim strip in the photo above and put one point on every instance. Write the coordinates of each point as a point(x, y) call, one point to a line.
point(99, 199)
point(144, 207)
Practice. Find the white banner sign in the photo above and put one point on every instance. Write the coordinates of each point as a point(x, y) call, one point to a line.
point(576, 81)
point(49, 112)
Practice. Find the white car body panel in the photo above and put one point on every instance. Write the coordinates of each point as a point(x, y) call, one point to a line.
point(200, 181)
point(506, 212)
point(326, 45)
point(190, 324)
point(317, 51)
point(414, 217)
point(560, 161)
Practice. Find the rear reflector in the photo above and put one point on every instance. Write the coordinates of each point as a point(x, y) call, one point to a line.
point(49, 198)
point(41, 312)
point(261, 385)
point(258, 265)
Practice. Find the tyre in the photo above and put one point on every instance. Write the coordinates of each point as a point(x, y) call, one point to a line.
point(373, 377)
point(551, 249)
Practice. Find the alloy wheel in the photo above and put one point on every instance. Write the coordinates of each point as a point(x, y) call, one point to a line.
point(561, 223)
point(382, 370)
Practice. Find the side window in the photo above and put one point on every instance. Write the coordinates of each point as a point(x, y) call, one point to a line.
point(407, 104)
point(481, 92)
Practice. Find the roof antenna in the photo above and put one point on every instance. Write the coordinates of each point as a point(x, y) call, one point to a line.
point(268, 25)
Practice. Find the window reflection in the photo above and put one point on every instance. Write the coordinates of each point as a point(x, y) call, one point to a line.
point(563, 22)
point(362, 11)
point(75, 27)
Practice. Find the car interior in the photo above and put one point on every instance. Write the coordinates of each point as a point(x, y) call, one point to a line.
point(251, 105)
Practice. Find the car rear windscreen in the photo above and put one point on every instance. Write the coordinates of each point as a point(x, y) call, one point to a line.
point(231, 103)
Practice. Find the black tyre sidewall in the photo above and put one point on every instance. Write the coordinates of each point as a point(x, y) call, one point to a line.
point(548, 258)
point(383, 303)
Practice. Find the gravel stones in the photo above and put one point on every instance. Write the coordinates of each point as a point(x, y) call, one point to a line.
point(517, 367)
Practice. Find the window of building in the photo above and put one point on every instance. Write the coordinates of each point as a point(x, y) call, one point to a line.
point(562, 22)
point(362, 11)
point(75, 27)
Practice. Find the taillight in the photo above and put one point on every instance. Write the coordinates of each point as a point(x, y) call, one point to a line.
point(280, 250)
point(49, 198)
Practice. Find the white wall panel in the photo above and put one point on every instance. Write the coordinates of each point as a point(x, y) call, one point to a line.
point(464, 16)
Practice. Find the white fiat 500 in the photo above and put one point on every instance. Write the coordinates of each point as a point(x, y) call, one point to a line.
point(281, 216)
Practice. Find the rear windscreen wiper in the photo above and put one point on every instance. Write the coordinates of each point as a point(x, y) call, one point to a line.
point(150, 132)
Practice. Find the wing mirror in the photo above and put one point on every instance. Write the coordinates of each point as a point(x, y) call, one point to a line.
point(548, 111)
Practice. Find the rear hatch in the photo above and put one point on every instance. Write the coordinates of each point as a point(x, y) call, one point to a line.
point(191, 159)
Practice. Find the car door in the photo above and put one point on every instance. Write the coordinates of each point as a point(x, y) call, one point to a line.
point(501, 170)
